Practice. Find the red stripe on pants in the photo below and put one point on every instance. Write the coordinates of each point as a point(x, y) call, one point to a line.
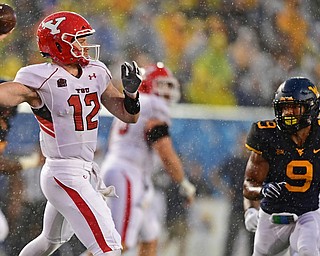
point(127, 211)
point(88, 215)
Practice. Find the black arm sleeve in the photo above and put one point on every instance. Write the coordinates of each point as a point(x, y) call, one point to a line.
point(157, 132)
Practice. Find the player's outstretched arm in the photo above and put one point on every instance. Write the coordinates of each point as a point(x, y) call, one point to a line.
point(173, 166)
point(158, 136)
point(13, 93)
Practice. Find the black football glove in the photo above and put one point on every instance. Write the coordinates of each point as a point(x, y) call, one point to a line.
point(131, 77)
point(272, 190)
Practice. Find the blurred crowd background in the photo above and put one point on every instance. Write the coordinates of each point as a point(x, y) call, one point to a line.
point(223, 52)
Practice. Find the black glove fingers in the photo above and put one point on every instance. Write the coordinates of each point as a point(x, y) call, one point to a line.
point(282, 184)
point(273, 189)
point(123, 71)
point(277, 186)
point(129, 67)
point(130, 75)
point(135, 68)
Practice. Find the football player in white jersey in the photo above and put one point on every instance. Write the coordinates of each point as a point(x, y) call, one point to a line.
point(130, 160)
point(66, 97)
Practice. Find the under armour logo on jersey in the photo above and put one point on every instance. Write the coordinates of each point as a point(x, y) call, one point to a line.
point(53, 26)
point(62, 82)
point(92, 76)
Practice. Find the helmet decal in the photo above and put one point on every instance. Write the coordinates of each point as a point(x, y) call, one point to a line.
point(53, 26)
point(314, 90)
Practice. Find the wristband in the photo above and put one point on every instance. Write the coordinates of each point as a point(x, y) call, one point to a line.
point(131, 105)
point(133, 95)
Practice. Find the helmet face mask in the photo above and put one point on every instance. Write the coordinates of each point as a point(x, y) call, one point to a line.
point(167, 88)
point(58, 35)
point(296, 104)
point(159, 80)
point(81, 50)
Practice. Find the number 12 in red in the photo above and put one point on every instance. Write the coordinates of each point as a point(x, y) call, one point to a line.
point(90, 99)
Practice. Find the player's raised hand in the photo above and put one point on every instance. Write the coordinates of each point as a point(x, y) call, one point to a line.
point(273, 189)
point(131, 77)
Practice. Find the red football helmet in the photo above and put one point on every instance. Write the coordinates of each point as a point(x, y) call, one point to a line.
point(57, 34)
point(159, 80)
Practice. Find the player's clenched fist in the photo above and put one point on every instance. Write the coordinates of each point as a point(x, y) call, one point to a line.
point(272, 189)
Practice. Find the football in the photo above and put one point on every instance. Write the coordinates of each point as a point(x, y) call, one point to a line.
point(8, 19)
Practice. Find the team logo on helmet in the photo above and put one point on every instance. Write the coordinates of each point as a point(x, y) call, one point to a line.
point(53, 26)
point(314, 90)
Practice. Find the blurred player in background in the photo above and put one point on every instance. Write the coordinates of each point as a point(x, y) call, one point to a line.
point(228, 178)
point(283, 171)
point(66, 97)
point(129, 162)
point(11, 167)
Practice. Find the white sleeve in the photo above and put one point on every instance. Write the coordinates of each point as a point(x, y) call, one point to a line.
point(160, 110)
point(30, 76)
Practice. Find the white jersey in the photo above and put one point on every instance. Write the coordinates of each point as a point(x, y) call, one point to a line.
point(68, 117)
point(127, 142)
point(128, 166)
